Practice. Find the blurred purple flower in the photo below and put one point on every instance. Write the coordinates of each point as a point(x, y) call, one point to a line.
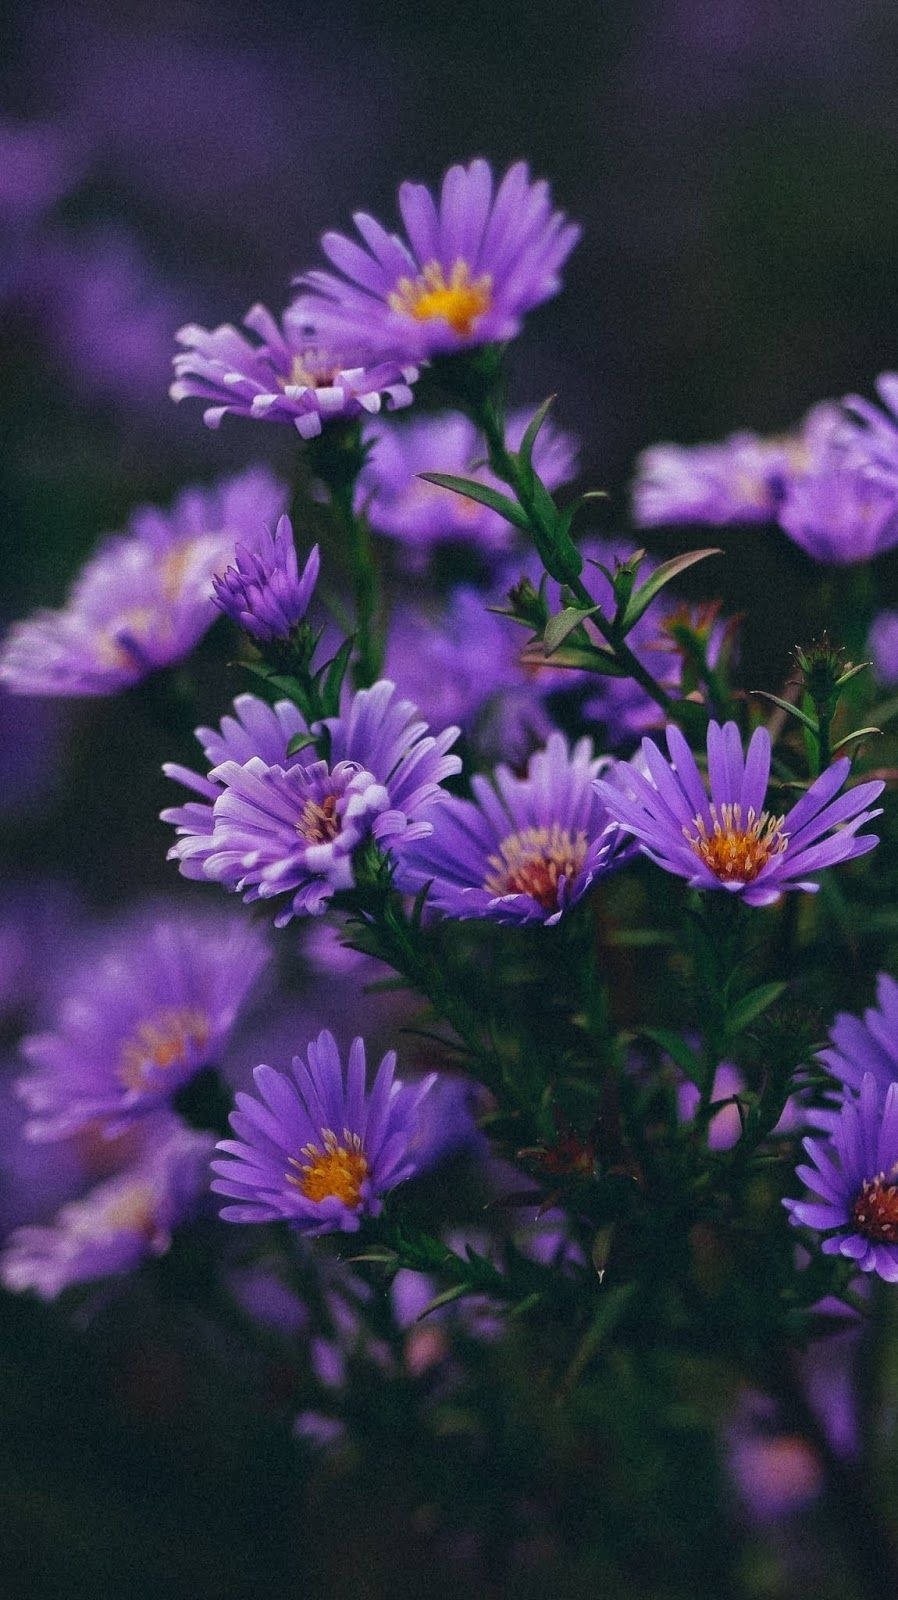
point(145, 599)
point(852, 1181)
point(401, 504)
point(139, 1019)
point(868, 1044)
point(840, 514)
point(525, 850)
point(474, 264)
point(776, 1473)
point(727, 840)
point(116, 1225)
point(882, 644)
point(286, 377)
point(263, 591)
point(315, 1149)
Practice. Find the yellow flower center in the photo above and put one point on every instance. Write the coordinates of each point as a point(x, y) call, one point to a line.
point(875, 1211)
point(311, 369)
point(133, 1209)
point(734, 852)
point(460, 301)
point(319, 823)
point(161, 1042)
point(533, 861)
point(339, 1169)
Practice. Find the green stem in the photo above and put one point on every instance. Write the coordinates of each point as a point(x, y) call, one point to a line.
point(366, 587)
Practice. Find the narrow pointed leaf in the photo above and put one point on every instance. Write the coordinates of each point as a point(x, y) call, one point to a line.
point(483, 494)
point(564, 623)
point(752, 1005)
point(525, 452)
point(641, 598)
point(859, 733)
point(794, 711)
point(300, 741)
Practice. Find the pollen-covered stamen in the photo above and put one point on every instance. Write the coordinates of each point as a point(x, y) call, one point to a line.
point(458, 301)
point(736, 850)
point(318, 822)
point(170, 1039)
point(337, 1170)
point(534, 862)
point(875, 1211)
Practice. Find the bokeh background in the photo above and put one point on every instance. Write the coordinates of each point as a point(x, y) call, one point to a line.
point(733, 163)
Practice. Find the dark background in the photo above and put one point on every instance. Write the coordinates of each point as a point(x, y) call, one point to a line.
point(734, 169)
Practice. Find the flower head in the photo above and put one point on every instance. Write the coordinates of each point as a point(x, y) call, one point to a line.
point(288, 376)
point(726, 839)
point(866, 1045)
point(315, 1149)
point(263, 591)
point(145, 598)
point(870, 433)
point(524, 851)
point(471, 266)
point(402, 505)
point(139, 1019)
point(277, 830)
point(118, 1223)
point(841, 513)
point(854, 1181)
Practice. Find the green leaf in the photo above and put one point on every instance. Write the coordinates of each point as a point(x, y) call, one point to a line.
point(794, 711)
point(456, 1292)
point(641, 598)
point(300, 741)
point(581, 659)
point(859, 733)
point(675, 1046)
point(334, 672)
point(483, 494)
point(563, 623)
point(525, 452)
point(752, 1005)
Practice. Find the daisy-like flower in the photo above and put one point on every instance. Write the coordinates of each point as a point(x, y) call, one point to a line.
point(292, 831)
point(470, 268)
point(739, 479)
point(142, 1015)
point(256, 729)
point(289, 376)
point(264, 591)
point(854, 1181)
point(524, 851)
point(867, 1044)
point(841, 513)
point(316, 1149)
point(146, 598)
point(399, 503)
point(726, 839)
point(120, 1222)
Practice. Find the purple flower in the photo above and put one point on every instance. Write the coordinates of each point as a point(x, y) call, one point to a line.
point(870, 435)
point(883, 646)
point(139, 1018)
point(286, 377)
point(257, 729)
point(316, 1150)
point(293, 830)
point(145, 598)
point(727, 840)
point(866, 1045)
point(116, 1225)
point(471, 267)
point(853, 1181)
point(524, 851)
point(263, 591)
point(725, 1127)
point(740, 479)
point(840, 513)
point(400, 504)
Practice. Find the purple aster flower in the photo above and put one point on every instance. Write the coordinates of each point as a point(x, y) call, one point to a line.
point(840, 513)
point(883, 646)
point(777, 1473)
point(870, 434)
point(740, 479)
point(524, 851)
point(471, 267)
point(725, 1127)
point(263, 591)
point(726, 839)
point(400, 504)
point(151, 1007)
point(287, 377)
point(256, 729)
point(116, 1225)
point(866, 1045)
point(316, 1149)
point(145, 599)
point(854, 1181)
point(293, 831)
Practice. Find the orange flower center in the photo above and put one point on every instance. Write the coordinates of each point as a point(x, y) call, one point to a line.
point(338, 1169)
point(460, 300)
point(735, 851)
point(319, 823)
point(875, 1210)
point(161, 1042)
point(534, 861)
